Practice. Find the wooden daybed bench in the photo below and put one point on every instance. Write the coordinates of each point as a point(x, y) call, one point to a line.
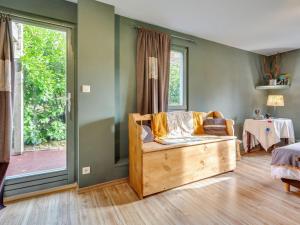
point(155, 167)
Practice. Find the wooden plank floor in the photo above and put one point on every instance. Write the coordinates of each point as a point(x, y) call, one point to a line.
point(246, 196)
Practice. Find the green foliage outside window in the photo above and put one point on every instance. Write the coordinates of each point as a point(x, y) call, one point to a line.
point(44, 67)
point(174, 84)
point(175, 88)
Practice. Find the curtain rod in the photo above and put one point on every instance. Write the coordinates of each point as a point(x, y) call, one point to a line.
point(176, 36)
point(35, 18)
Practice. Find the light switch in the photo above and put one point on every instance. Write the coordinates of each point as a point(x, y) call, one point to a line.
point(86, 170)
point(85, 88)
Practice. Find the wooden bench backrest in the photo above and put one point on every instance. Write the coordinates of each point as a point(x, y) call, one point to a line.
point(138, 117)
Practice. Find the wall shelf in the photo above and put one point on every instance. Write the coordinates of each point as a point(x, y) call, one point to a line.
point(271, 87)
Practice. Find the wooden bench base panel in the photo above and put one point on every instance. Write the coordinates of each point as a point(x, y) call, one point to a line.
point(166, 169)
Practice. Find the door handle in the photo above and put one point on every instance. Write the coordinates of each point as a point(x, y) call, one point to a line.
point(69, 102)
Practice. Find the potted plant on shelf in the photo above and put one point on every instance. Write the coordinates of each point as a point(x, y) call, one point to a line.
point(271, 68)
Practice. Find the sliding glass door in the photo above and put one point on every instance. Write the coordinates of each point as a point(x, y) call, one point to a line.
point(43, 145)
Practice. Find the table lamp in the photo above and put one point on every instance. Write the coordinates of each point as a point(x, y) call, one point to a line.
point(275, 100)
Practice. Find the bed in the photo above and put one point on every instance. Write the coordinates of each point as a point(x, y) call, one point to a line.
point(285, 165)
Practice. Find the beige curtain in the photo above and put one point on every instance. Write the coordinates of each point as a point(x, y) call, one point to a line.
point(153, 65)
point(6, 97)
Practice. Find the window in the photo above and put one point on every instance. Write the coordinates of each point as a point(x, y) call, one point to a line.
point(178, 79)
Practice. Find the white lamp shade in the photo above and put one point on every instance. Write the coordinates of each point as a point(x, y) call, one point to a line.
point(275, 100)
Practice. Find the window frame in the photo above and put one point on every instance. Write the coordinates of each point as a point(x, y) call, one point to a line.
point(184, 106)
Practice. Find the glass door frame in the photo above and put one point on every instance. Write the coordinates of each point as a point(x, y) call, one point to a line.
point(31, 182)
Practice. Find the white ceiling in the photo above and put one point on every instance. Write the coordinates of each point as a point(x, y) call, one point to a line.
point(261, 26)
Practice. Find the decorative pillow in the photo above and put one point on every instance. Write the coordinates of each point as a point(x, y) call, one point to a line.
point(147, 135)
point(215, 126)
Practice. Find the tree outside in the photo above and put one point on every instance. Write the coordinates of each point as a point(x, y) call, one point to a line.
point(175, 81)
point(44, 68)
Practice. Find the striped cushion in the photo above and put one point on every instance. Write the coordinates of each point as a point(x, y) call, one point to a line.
point(215, 126)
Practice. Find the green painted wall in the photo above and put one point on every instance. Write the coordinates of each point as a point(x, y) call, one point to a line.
point(56, 9)
point(219, 78)
point(96, 110)
point(291, 65)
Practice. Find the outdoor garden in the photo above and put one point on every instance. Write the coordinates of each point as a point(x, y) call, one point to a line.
point(44, 70)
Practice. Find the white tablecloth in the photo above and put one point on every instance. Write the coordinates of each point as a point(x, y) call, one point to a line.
point(267, 132)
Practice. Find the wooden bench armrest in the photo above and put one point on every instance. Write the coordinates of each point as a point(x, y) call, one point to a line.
point(135, 130)
point(230, 127)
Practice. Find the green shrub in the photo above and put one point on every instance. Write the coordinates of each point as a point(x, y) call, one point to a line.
point(174, 84)
point(44, 67)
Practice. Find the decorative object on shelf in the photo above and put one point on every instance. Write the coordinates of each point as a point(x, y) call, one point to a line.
point(257, 114)
point(284, 79)
point(275, 100)
point(272, 82)
point(271, 68)
point(272, 76)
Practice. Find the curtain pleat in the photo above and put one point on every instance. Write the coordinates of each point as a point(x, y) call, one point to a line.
point(152, 69)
